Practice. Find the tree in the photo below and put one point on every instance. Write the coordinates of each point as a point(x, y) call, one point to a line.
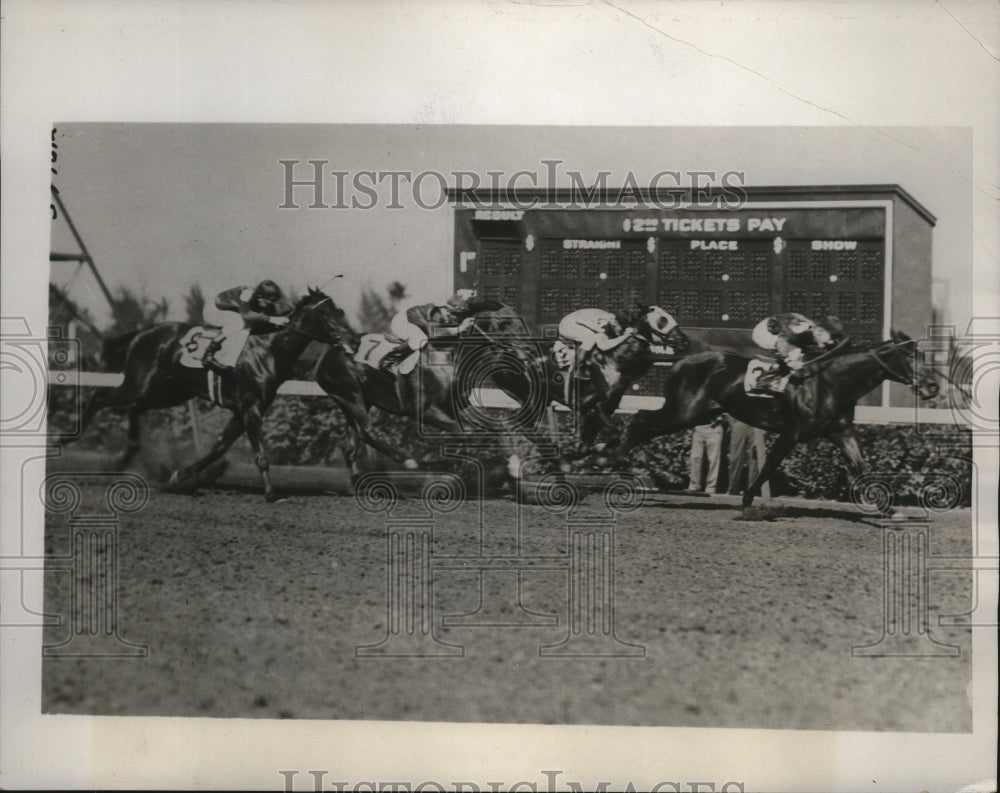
point(194, 305)
point(376, 312)
point(63, 309)
point(135, 311)
point(75, 322)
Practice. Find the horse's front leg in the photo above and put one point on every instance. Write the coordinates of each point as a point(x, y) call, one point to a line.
point(640, 428)
point(134, 431)
point(118, 397)
point(782, 446)
point(226, 438)
point(847, 441)
point(601, 397)
point(254, 424)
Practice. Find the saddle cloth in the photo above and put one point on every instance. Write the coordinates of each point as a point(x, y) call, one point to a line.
point(373, 347)
point(194, 342)
point(755, 369)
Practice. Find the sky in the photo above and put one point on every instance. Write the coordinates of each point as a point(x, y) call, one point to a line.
point(164, 206)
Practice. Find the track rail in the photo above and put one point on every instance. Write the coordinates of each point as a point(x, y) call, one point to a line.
point(494, 398)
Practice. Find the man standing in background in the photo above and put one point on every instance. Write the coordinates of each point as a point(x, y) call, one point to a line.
point(747, 452)
point(706, 445)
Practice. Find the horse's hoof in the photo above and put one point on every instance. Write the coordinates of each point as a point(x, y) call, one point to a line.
point(410, 464)
point(514, 467)
point(181, 486)
point(159, 472)
point(274, 498)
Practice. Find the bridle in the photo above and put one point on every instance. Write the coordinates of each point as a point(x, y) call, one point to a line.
point(655, 335)
point(913, 380)
point(302, 310)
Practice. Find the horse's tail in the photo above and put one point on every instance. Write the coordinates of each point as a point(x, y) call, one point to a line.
point(113, 351)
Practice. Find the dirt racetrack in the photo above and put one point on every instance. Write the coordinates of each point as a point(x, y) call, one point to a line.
point(256, 610)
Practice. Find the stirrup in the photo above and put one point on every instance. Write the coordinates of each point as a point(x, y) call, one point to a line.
point(394, 356)
point(209, 362)
point(775, 385)
point(215, 387)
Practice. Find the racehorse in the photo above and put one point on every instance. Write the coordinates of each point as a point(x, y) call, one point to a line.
point(495, 349)
point(819, 402)
point(430, 395)
point(602, 378)
point(154, 378)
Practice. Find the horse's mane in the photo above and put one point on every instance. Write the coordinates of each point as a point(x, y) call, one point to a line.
point(310, 298)
point(848, 346)
point(484, 304)
point(632, 316)
point(844, 347)
point(314, 296)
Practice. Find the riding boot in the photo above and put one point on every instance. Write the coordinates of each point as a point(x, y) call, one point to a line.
point(401, 392)
point(568, 374)
point(772, 381)
point(208, 359)
point(396, 355)
point(797, 375)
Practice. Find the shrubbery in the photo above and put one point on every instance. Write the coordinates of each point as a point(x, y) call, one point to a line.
point(309, 431)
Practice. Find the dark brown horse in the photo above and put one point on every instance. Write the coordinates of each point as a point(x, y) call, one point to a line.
point(155, 378)
point(603, 377)
point(430, 395)
point(495, 350)
point(819, 405)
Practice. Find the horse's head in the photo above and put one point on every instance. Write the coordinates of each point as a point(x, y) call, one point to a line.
point(319, 318)
point(657, 325)
point(898, 356)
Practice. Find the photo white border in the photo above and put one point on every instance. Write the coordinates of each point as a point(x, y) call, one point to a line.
point(490, 62)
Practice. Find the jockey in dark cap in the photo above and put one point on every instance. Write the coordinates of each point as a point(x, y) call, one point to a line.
point(415, 325)
point(261, 309)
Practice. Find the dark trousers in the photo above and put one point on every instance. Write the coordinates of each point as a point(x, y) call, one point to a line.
point(747, 452)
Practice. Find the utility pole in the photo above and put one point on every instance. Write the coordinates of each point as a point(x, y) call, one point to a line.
point(85, 256)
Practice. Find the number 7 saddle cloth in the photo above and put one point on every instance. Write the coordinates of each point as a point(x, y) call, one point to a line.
point(373, 347)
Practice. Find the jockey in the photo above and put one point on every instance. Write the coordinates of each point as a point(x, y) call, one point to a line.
point(789, 337)
point(588, 328)
point(258, 310)
point(415, 325)
point(585, 329)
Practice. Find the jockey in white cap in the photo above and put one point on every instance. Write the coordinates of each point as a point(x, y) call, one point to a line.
point(586, 329)
point(787, 336)
point(593, 327)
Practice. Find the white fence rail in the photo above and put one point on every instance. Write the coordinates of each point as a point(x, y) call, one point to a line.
point(494, 398)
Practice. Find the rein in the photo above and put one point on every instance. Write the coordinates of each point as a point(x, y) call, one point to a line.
point(651, 335)
point(914, 381)
point(300, 310)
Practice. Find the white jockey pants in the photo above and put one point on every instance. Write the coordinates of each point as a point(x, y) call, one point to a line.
point(234, 334)
point(402, 328)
